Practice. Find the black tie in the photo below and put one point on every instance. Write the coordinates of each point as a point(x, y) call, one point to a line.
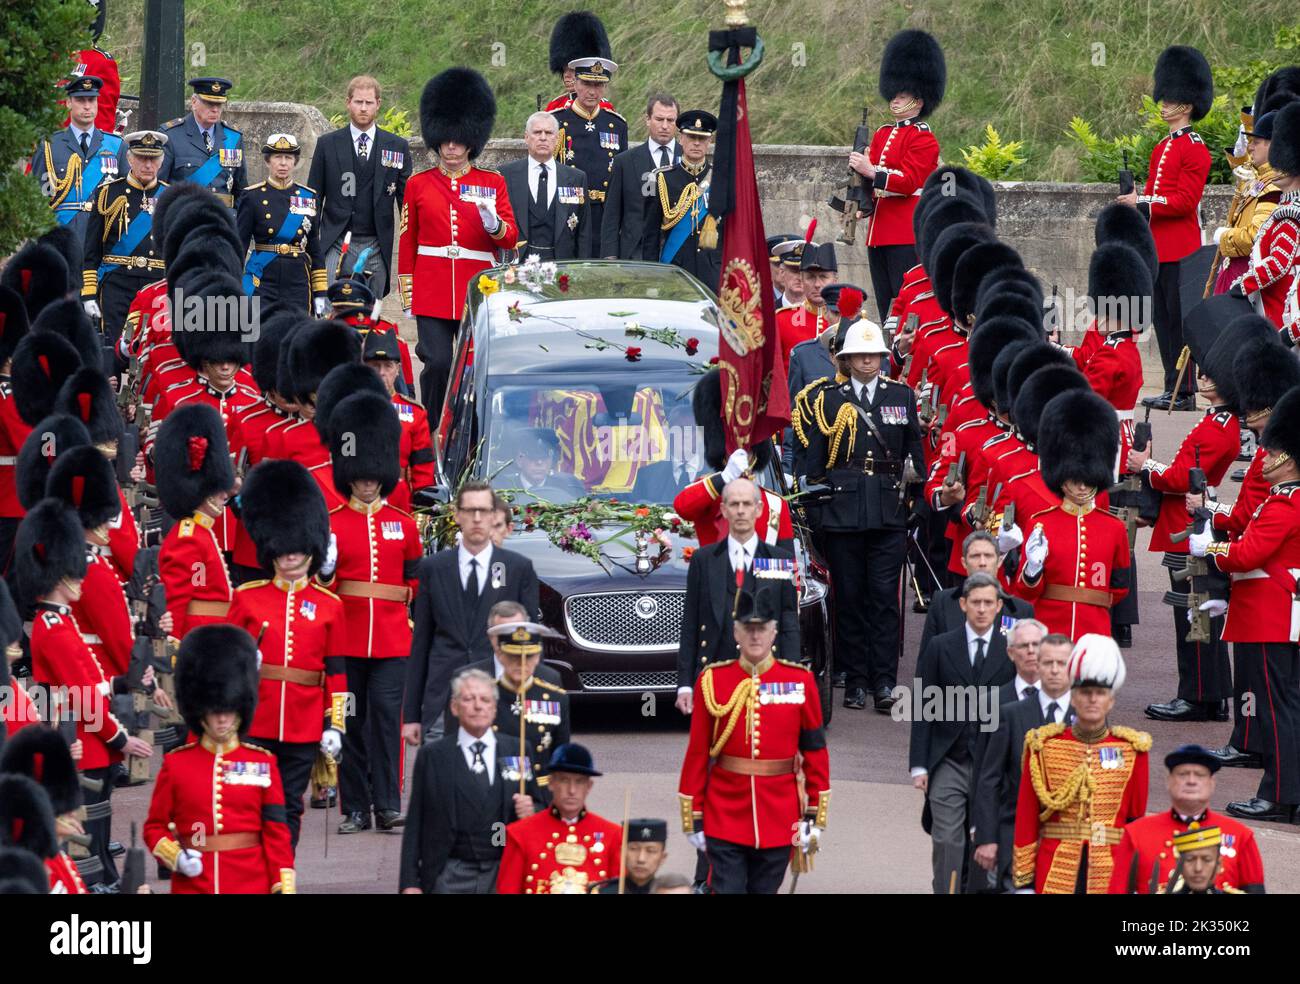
point(664, 160)
point(471, 584)
point(479, 766)
point(1052, 708)
point(1030, 691)
point(85, 145)
point(979, 655)
point(362, 152)
point(543, 198)
point(207, 141)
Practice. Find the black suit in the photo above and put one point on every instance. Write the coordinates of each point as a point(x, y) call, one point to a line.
point(945, 613)
point(334, 171)
point(631, 186)
point(449, 634)
point(433, 818)
point(946, 748)
point(707, 635)
point(570, 234)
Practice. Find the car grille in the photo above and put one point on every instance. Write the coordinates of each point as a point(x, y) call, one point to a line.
point(631, 681)
point(616, 622)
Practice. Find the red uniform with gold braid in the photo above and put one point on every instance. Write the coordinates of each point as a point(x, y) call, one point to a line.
point(1114, 371)
point(65, 879)
point(1150, 839)
point(1217, 438)
point(544, 855)
point(1273, 260)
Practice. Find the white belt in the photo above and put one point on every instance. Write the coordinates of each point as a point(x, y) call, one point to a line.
point(1254, 575)
point(105, 688)
point(456, 253)
point(1295, 607)
point(8, 459)
point(92, 640)
point(1124, 414)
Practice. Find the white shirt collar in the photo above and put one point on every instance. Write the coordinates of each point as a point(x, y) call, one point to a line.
point(749, 545)
point(1021, 684)
point(971, 636)
point(870, 388)
point(534, 163)
point(482, 558)
point(465, 740)
point(653, 147)
point(370, 133)
point(1062, 704)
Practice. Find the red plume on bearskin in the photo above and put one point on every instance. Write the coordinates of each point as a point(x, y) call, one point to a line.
point(198, 447)
point(850, 303)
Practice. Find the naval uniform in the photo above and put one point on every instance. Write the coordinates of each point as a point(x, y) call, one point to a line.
point(119, 256)
point(590, 143)
point(674, 218)
point(285, 267)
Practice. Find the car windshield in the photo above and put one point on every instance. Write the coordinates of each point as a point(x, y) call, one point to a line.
point(634, 440)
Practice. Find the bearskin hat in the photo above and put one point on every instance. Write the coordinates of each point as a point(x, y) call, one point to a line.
point(1032, 359)
point(315, 348)
point(1037, 391)
point(948, 249)
point(283, 377)
point(41, 754)
point(1117, 223)
point(1120, 286)
point(1282, 432)
point(197, 220)
point(913, 62)
point(39, 275)
point(266, 349)
point(216, 671)
point(191, 458)
point(67, 243)
point(87, 395)
point(1002, 395)
point(1183, 75)
point(1011, 302)
point(43, 361)
point(976, 265)
point(284, 512)
point(1284, 150)
point(26, 819)
point(1262, 371)
point(338, 384)
point(22, 873)
point(1078, 439)
point(11, 623)
point(227, 323)
point(67, 318)
point(166, 204)
point(706, 404)
point(940, 185)
point(83, 479)
point(577, 34)
point(50, 437)
point(1221, 362)
point(1008, 280)
point(13, 321)
point(457, 105)
point(962, 211)
point(990, 338)
point(365, 443)
point(1283, 81)
point(50, 545)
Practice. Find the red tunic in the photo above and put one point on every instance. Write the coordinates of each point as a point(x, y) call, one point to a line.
point(1254, 490)
point(362, 323)
point(123, 540)
point(416, 451)
point(304, 634)
point(103, 616)
point(1089, 345)
point(1264, 565)
point(194, 575)
point(1114, 371)
point(914, 282)
point(700, 503)
point(798, 324)
point(13, 432)
point(222, 791)
point(1217, 437)
point(546, 856)
point(934, 331)
point(781, 709)
point(969, 439)
point(65, 879)
point(1180, 163)
point(378, 545)
point(1273, 258)
point(254, 422)
point(100, 64)
point(443, 243)
point(1150, 839)
point(19, 710)
point(904, 154)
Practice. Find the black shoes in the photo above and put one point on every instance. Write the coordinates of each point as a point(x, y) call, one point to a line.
point(1185, 710)
point(1239, 474)
point(883, 699)
point(354, 823)
point(1162, 402)
point(325, 802)
point(1261, 809)
point(855, 699)
point(1235, 758)
point(389, 819)
point(838, 680)
point(1123, 635)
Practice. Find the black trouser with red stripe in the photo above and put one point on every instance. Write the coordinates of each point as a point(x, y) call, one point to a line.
point(1274, 685)
point(1204, 676)
point(368, 774)
point(1247, 681)
point(1169, 328)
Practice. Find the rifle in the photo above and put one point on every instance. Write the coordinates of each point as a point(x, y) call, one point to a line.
point(979, 512)
point(1129, 488)
point(956, 470)
point(990, 515)
point(926, 409)
point(1195, 570)
point(909, 327)
point(1053, 328)
point(857, 200)
point(1126, 183)
point(133, 865)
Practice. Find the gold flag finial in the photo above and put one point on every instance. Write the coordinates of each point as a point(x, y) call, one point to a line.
point(736, 16)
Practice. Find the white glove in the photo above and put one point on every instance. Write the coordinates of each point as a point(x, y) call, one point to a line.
point(1035, 553)
point(1009, 538)
point(91, 307)
point(331, 557)
point(488, 213)
point(810, 836)
point(1214, 608)
point(1219, 233)
point(736, 465)
point(1199, 543)
point(320, 306)
point(697, 840)
point(189, 863)
point(331, 742)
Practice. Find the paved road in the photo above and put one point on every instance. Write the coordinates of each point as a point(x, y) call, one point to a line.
point(874, 841)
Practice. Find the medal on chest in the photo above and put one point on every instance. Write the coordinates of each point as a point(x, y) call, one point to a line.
point(780, 693)
point(308, 610)
point(246, 774)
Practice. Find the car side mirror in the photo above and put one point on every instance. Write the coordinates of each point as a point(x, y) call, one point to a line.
point(431, 495)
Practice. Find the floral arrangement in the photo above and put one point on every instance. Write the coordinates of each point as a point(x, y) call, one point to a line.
point(574, 527)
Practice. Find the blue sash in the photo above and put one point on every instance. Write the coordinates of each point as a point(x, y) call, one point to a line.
point(140, 227)
point(683, 229)
point(208, 171)
point(92, 173)
point(259, 260)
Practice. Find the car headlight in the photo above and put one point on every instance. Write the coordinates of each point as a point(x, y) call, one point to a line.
point(813, 592)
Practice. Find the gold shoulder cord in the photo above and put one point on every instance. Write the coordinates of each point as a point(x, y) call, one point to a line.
point(803, 411)
point(740, 702)
point(846, 422)
point(1140, 740)
point(674, 213)
point(61, 186)
point(114, 214)
point(1078, 787)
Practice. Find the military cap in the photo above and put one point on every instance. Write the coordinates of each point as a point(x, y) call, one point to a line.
point(146, 143)
point(83, 86)
point(757, 607)
point(211, 89)
point(593, 69)
point(775, 244)
point(698, 123)
point(818, 256)
point(1197, 837)
point(1191, 755)
point(574, 758)
point(1096, 662)
point(647, 830)
point(282, 143)
point(522, 638)
point(380, 345)
point(348, 294)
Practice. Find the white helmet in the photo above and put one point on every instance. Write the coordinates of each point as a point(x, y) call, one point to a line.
point(864, 337)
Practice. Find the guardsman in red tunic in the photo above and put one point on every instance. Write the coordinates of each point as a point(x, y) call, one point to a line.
point(1204, 678)
point(1263, 621)
point(353, 302)
point(50, 560)
point(1269, 280)
point(195, 481)
point(217, 817)
point(1076, 559)
point(902, 155)
point(1080, 784)
point(1171, 200)
point(27, 824)
point(373, 566)
point(563, 850)
point(302, 702)
point(454, 217)
point(756, 728)
point(379, 351)
point(577, 34)
point(1147, 855)
point(817, 269)
point(41, 754)
point(13, 429)
point(700, 502)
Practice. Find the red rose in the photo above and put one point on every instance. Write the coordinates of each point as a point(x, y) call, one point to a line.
point(676, 522)
point(633, 354)
point(688, 553)
point(563, 283)
point(692, 346)
point(713, 361)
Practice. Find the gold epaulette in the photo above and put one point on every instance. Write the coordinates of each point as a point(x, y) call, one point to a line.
point(254, 187)
point(1035, 737)
point(256, 748)
point(186, 528)
point(549, 686)
point(1140, 740)
point(797, 665)
point(254, 584)
point(324, 590)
